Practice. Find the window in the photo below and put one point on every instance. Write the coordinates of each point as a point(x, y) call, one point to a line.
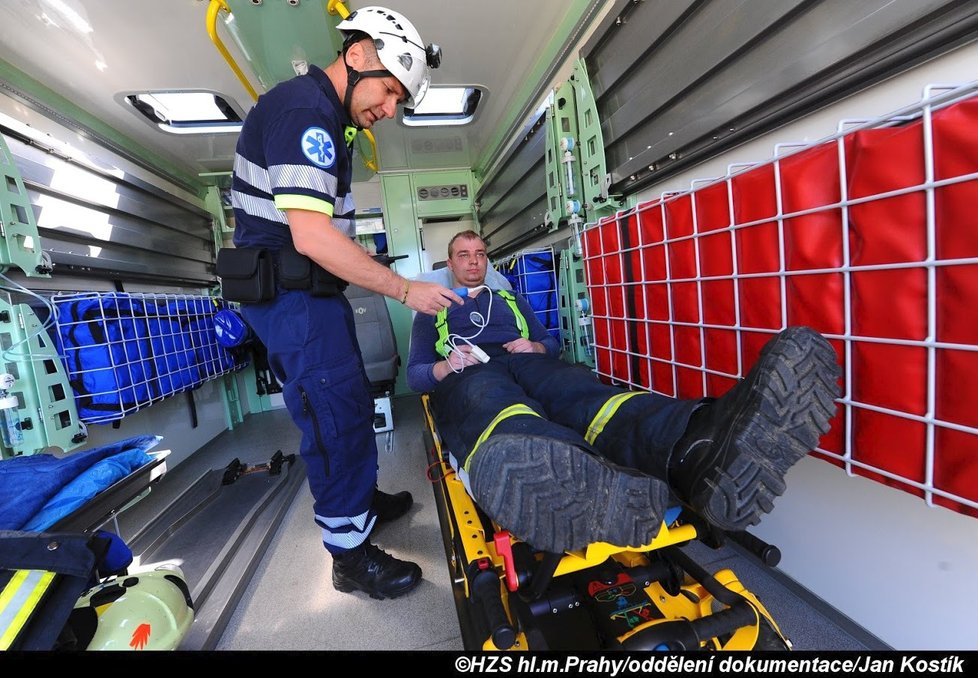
point(187, 112)
point(445, 106)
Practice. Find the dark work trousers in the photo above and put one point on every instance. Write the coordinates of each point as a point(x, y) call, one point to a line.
point(312, 349)
point(640, 435)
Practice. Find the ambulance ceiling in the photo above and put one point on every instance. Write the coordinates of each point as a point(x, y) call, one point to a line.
point(93, 51)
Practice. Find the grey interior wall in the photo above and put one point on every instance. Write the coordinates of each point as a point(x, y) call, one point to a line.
point(512, 203)
point(171, 418)
point(107, 223)
point(677, 81)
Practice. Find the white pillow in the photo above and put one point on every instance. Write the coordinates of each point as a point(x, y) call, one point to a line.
point(443, 276)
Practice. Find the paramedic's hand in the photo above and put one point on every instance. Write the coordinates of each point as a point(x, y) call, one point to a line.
point(522, 345)
point(427, 297)
point(455, 362)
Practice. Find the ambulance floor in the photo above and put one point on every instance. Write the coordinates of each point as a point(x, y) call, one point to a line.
point(290, 603)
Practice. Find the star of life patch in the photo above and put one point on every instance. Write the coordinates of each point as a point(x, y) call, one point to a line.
point(317, 145)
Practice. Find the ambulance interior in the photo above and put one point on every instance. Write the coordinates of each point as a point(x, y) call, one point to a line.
point(670, 183)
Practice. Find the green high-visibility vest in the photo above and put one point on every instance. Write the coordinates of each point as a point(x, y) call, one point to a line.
point(441, 323)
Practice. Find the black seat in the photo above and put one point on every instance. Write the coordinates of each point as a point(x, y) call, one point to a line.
point(375, 333)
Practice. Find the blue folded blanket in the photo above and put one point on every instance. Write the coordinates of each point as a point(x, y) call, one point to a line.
point(37, 491)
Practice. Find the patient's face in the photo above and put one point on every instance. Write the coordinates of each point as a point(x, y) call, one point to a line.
point(468, 261)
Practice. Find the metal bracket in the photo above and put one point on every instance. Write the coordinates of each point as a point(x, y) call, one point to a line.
point(20, 245)
point(47, 411)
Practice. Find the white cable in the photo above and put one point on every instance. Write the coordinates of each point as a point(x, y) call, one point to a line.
point(31, 357)
point(452, 339)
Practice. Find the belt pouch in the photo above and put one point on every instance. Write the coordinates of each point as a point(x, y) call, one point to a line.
point(326, 284)
point(247, 274)
point(294, 269)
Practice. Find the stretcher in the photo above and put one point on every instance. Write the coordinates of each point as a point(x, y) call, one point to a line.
point(654, 597)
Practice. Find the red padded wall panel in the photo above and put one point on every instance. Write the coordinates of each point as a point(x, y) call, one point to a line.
point(957, 388)
point(662, 372)
point(810, 179)
point(721, 356)
point(679, 224)
point(956, 154)
point(757, 276)
point(891, 229)
point(957, 290)
point(890, 303)
point(892, 443)
point(890, 376)
point(712, 208)
point(755, 198)
point(760, 302)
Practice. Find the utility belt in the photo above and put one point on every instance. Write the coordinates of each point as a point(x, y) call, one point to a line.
point(253, 274)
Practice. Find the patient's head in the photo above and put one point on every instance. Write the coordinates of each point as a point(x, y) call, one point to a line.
point(467, 258)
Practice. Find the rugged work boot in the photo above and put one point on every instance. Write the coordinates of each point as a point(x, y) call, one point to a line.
point(373, 571)
point(731, 461)
point(390, 507)
point(557, 497)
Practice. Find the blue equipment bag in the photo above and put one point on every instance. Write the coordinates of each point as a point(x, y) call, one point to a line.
point(532, 275)
point(123, 352)
point(230, 328)
point(107, 350)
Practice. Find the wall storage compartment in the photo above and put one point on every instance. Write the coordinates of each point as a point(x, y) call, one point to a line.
point(123, 352)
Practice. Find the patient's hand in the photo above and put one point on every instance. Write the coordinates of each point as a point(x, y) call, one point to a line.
point(462, 357)
point(522, 345)
point(455, 362)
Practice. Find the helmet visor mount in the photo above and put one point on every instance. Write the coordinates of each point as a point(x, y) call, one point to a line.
point(399, 47)
point(433, 55)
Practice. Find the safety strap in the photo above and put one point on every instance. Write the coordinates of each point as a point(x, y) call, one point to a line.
point(605, 414)
point(520, 320)
point(441, 326)
point(441, 323)
point(18, 600)
point(511, 411)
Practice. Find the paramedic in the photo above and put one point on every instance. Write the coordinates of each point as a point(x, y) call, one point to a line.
point(562, 460)
point(291, 191)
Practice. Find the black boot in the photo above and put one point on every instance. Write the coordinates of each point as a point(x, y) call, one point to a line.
point(731, 461)
point(557, 497)
point(390, 507)
point(373, 571)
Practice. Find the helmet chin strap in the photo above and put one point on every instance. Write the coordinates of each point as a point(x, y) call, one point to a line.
point(353, 76)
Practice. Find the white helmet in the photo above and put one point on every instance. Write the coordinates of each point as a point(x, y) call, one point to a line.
point(399, 46)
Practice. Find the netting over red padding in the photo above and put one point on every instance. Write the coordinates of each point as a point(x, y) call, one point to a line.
point(870, 237)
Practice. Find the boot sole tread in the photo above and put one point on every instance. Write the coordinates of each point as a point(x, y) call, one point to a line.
point(559, 498)
point(794, 399)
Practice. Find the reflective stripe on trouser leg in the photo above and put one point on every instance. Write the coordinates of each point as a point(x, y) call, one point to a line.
point(605, 414)
point(511, 411)
point(346, 533)
point(18, 600)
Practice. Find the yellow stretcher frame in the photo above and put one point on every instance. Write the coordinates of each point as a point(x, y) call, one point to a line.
point(464, 527)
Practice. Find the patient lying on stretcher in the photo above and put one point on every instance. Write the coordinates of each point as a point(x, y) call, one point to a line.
point(562, 460)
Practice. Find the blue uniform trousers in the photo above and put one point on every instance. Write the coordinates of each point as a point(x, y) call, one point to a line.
point(640, 433)
point(312, 349)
